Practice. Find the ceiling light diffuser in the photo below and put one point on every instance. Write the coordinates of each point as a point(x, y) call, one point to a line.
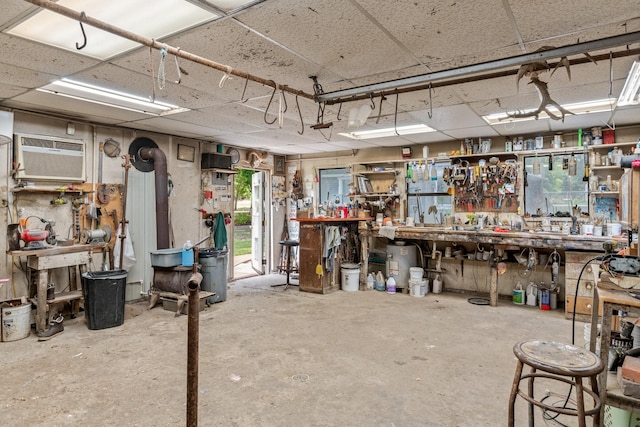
point(381, 133)
point(155, 20)
point(629, 94)
point(111, 98)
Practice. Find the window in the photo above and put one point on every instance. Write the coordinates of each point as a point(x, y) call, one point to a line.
point(334, 186)
point(428, 201)
point(553, 190)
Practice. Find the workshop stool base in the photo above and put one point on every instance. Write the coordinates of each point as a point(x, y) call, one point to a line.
point(557, 362)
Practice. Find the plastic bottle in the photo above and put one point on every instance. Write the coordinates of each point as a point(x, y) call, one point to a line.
point(391, 285)
point(437, 285)
point(187, 254)
point(580, 137)
point(379, 284)
point(370, 282)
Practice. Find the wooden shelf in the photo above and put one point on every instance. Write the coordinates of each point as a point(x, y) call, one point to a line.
point(380, 172)
point(607, 146)
point(37, 190)
point(605, 193)
point(229, 171)
point(373, 195)
point(62, 297)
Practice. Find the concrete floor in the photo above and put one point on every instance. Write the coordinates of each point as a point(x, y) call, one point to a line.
point(270, 357)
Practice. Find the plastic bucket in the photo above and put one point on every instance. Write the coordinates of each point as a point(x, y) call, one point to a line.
point(518, 295)
point(417, 288)
point(350, 277)
point(415, 273)
point(15, 321)
point(614, 229)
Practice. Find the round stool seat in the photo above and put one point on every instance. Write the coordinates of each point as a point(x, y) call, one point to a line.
point(289, 243)
point(558, 358)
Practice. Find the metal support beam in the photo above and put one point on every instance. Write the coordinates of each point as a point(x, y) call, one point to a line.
point(346, 95)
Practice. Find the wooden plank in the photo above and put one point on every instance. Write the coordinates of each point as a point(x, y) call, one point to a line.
point(572, 270)
point(58, 260)
point(585, 290)
point(580, 257)
point(583, 305)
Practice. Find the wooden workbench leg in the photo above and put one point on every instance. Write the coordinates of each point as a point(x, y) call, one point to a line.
point(364, 254)
point(493, 290)
point(42, 309)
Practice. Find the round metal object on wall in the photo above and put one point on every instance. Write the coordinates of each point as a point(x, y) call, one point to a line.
point(134, 151)
point(235, 155)
point(111, 148)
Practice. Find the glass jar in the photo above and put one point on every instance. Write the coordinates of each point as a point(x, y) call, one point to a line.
point(518, 144)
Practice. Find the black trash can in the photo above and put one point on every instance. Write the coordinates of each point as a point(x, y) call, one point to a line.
point(214, 272)
point(104, 296)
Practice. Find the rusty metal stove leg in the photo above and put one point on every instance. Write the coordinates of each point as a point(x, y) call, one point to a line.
point(192, 350)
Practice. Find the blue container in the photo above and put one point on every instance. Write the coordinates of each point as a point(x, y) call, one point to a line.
point(187, 257)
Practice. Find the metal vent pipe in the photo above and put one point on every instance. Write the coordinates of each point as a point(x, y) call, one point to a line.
point(159, 160)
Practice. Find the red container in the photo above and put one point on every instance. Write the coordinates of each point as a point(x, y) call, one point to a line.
point(608, 136)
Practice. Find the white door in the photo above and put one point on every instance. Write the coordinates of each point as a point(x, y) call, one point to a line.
point(257, 222)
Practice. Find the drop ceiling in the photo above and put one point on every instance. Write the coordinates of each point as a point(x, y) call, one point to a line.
point(346, 44)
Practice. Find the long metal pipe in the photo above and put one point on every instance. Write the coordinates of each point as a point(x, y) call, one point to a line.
point(78, 16)
point(193, 331)
point(483, 67)
point(162, 194)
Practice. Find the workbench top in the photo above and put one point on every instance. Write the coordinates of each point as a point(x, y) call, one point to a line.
point(330, 219)
point(487, 235)
point(58, 250)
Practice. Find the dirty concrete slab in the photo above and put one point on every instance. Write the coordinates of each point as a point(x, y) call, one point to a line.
point(270, 357)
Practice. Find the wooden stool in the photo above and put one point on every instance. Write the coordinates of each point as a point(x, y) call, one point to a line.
point(289, 268)
point(560, 362)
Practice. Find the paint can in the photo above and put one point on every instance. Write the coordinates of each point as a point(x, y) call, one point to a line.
point(15, 321)
point(614, 229)
point(415, 273)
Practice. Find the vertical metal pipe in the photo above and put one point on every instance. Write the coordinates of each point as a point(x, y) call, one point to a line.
point(192, 350)
point(162, 194)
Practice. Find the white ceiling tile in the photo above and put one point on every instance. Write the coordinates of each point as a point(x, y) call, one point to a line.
point(473, 132)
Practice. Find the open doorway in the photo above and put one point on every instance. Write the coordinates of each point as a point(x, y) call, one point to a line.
point(251, 214)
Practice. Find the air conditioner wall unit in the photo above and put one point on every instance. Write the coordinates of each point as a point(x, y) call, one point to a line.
point(48, 158)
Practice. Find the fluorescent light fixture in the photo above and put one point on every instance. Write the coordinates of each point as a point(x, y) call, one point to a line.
point(110, 98)
point(155, 20)
point(629, 94)
point(381, 133)
point(578, 108)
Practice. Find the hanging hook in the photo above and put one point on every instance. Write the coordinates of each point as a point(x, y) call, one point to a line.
point(275, 88)
point(84, 35)
point(430, 113)
point(382, 98)
point(301, 131)
point(373, 104)
point(284, 100)
point(242, 98)
point(339, 109)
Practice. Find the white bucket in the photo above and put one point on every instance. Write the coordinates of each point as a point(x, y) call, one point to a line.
point(614, 229)
point(418, 288)
point(415, 273)
point(15, 322)
point(350, 277)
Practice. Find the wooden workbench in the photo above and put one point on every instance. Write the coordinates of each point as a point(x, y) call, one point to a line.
point(312, 232)
point(611, 300)
point(487, 236)
point(43, 260)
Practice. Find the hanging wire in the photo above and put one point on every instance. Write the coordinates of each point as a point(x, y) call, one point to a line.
point(282, 107)
point(178, 68)
point(430, 113)
point(84, 35)
point(153, 77)
point(301, 131)
point(382, 98)
point(339, 110)
point(242, 98)
point(162, 75)
point(275, 88)
point(395, 116)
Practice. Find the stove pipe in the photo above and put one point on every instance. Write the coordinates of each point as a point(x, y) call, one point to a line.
point(162, 194)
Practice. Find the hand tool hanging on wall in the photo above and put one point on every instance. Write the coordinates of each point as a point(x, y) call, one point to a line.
point(126, 165)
